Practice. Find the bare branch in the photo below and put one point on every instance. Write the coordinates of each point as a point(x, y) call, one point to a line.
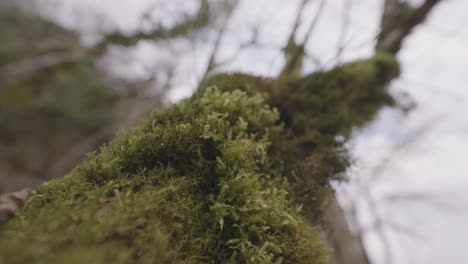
point(200, 20)
point(404, 230)
point(346, 19)
point(379, 224)
point(412, 138)
point(251, 43)
point(296, 52)
point(425, 198)
point(314, 22)
point(398, 21)
point(217, 44)
point(397, 227)
point(343, 42)
point(297, 21)
point(27, 69)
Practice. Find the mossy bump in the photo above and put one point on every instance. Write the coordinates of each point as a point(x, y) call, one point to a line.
point(195, 183)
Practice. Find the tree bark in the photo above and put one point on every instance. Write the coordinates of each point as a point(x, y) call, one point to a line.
point(347, 246)
point(11, 203)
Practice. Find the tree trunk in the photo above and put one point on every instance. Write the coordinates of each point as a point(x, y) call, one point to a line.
point(347, 247)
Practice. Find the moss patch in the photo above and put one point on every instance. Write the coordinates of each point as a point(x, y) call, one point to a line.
point(315, 110)
point(196, 183)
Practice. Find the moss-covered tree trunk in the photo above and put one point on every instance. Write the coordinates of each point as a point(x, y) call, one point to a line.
point(238, 173)
point(228, 176)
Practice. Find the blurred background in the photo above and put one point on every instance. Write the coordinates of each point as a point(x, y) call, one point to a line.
point(76, 73)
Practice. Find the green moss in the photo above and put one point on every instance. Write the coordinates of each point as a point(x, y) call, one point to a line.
point(218, 178)
point(334, 102)
point(235, 81)
point(196, 183)
point(294, 54)
point(319, 107)
point(315, 110)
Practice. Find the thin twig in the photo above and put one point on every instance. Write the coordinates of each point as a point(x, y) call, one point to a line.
point(217, 44)
point(314, 22)
point(346, 19)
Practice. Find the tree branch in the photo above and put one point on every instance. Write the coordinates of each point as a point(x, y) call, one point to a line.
point(27, 69)
point(295, 52)
point(217, 44)
point(398, 21)
point(200, 20)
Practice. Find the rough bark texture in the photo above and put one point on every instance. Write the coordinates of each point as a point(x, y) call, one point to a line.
point(347, 246)
point(11, 203)
point(398, 21)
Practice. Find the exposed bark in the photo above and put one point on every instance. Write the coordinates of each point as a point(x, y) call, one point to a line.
point(347, 247)
point(11, 203)
point(398, 21)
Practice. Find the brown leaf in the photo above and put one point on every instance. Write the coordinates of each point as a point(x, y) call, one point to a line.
point(11, 203)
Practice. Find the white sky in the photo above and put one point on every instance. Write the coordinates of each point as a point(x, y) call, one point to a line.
point(435, 73)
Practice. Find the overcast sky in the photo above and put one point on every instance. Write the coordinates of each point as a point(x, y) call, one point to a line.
point(424, 151)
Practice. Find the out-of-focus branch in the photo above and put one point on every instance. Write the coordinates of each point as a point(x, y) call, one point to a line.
point(217, 43)
point(295, 52)
point(197, 21)
point(252, 42)
point(343, 40)
point(412, 138)
point(398, 21)
point(292, 50)
point(379, 222)
point(314, 22)
point(297, 20)
point(344, 29)
point(27, 69)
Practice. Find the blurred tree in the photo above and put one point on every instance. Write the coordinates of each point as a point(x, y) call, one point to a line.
point(54, 103)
